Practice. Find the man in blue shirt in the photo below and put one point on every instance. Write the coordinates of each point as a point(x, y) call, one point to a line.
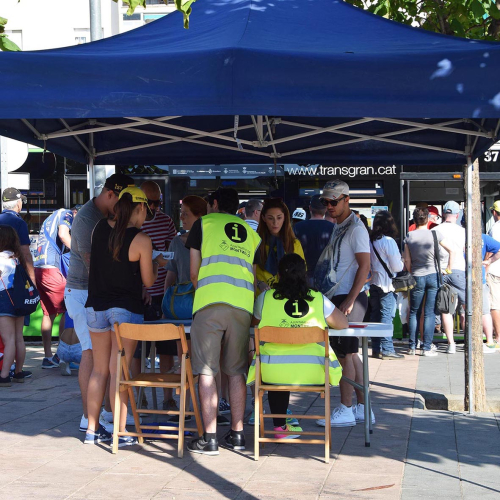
point(490, 246)
point(12, 203)
point(50, 272)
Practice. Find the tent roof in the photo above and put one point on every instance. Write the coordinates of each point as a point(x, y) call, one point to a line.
point(308, 66)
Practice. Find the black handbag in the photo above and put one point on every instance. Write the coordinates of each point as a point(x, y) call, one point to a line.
point(402, 281)
point(447, 295)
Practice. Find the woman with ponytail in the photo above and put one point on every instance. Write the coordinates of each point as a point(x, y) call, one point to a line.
point(291, 303)
point(121, 261)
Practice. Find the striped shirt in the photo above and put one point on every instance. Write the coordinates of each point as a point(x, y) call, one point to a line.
point(162, 231)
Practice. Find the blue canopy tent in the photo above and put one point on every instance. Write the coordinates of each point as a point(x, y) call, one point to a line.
point(252, 81)
point(257, 81)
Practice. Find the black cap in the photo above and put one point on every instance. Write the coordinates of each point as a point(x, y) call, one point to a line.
point(316, 203)
point(117, 182)
point(12, 194)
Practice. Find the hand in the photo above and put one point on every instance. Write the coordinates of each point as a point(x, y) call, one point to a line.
point(263, 286)
point(146, 298)
point(160, 260)
point(346, 306)
point(486, 262)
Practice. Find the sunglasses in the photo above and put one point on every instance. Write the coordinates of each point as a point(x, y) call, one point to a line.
point(325, 202)
point(156, 203)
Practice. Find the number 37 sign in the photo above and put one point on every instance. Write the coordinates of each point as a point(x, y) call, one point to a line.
point(490, 156)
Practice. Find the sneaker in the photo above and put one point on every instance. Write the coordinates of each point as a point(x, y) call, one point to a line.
point(65, 369)
point(84, 424)
point(433, 347)
point(224, 407)
point(199, 445)
point(127, 441)
point(22, 374)
point(494, 346)
point(291, 421)
point(430, 354)
point(222, 420)
point(452, 348)
point(411, 352)
point(342, 416)
point(108, 416)
point(233, 441)
point(377, 355)
point(170, 405)
point(392, 355)
point(419, 344)
point(52, 362)
point(488, 350)
point(175, 418)
point(5, 382)
point(99, 436)
point(359, 413)
point(107, 425)
point(19, 377)
point(289, 428)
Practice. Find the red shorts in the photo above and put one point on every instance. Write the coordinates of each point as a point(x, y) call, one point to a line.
point(50, 284)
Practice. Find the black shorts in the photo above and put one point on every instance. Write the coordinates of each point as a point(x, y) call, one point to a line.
point(349, 345)
point(153, 312)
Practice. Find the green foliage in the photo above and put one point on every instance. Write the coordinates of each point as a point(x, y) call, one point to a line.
point(478, 19)
point(5, 44)
point(132, 4)
point(185, 7)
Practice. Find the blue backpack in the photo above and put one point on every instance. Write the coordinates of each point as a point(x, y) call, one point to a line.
point(178, 301)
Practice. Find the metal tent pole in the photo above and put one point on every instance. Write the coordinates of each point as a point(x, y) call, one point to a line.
point(91, 167)
point(468, 288)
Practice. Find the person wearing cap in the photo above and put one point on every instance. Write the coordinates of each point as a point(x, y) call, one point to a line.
point(298, 215)
point(314, 234)
point(161, 229)
point(433, 217)
point(12, 204)
point(341, 274)
point(76, 291)
point(121, 262)
point(50, 273)
point(253, 208)
point(494, 274)
point(222, 250)
point(454, 233)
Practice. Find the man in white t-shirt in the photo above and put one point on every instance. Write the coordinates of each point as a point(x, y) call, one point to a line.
point(350, 247)
point(451, 231)
point(494, 273)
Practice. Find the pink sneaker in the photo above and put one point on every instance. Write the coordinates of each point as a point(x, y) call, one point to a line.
point(289, 428)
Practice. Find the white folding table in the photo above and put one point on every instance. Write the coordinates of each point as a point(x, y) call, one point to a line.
point(356, 329)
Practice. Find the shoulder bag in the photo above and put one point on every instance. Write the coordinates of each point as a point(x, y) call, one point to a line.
point(402, 281)
point(447, 296)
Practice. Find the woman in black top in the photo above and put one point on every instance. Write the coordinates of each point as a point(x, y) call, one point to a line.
point(120, 263)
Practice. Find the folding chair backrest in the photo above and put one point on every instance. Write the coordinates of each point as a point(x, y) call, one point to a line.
point(156, 333)
point(305, 335)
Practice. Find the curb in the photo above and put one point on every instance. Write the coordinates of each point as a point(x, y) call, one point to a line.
point(449, 402)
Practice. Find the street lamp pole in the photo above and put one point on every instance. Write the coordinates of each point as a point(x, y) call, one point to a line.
point(95, 20)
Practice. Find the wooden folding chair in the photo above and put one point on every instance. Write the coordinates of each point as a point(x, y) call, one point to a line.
point(291, 336)
point(182, 383)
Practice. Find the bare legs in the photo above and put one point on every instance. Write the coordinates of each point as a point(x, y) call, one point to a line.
point(352, 368)
point(84, 372)
point(11, 331)
point(47, 322)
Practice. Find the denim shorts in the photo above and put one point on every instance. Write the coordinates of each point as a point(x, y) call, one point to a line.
point(6, 307)
point(103, 321)
point(69, 353)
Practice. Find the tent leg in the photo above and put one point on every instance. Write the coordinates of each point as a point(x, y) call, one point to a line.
point(91, 168)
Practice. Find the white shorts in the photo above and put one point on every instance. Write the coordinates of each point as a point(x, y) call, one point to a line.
point(75, 305)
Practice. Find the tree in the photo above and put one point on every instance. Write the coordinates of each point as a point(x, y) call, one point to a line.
point(6, 44)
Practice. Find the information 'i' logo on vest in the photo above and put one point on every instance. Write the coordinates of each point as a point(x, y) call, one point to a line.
point(235, 232)
point(296, 308)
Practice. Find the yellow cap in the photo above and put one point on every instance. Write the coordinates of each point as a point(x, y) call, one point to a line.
point(137, 194)
point(496, 206)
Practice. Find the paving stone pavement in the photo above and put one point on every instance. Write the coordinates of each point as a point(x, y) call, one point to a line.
point(42, 455)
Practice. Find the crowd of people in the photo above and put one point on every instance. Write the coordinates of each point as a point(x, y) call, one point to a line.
point(114, 259)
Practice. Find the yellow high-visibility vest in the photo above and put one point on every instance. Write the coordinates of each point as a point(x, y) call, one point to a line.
point(294, 364)
point(226, 273)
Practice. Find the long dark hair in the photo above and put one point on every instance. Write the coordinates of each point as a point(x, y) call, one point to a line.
point(292, 283)
point(9, 241)
point(383, 225)
point(286, 233)
point(123, 212)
